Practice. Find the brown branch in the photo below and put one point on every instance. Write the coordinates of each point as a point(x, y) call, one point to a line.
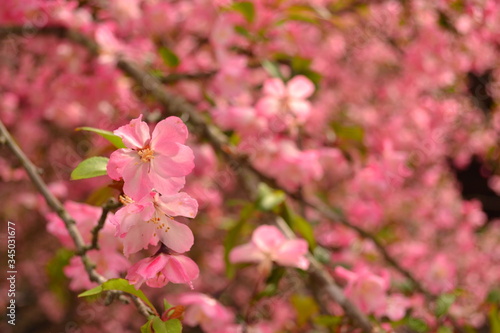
point(106, 208)
point(329, 285)
point(69, 222)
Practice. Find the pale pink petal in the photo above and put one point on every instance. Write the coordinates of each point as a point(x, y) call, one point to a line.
point(171, 129)
point(132, 215)
point(138, 237)
point(118, 160)
point(159, 281)
point(268, 238)
point(345, 274)
point(177, 165)
point(291, 253)
point(300, 108)
point(135, 134)
point(145, 269)
point(167, 186)
point(246, 253)
point(181, 269)
point(268, 106)
point(137, 182)
point(180, 204)
point(300, 87)
point(175, 235)
point(274, 87)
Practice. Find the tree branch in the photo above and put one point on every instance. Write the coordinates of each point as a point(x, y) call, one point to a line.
point(329, 285)
point(69, 222)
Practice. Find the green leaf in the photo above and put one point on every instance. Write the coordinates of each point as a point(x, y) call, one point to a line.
point(418, 325)
point(115, 140)
point(444, 329)
point(494, 319)
point(173, 326)
point(146, 328)
point(272, 283)
point(494, 296)
point(272, 68)
point(305, 306)
point(92, 292)
point(118, 284)
point(328, 320)
point(169, 57)
point(299, 225)
point(57, 279)
point(443, 304)
point(246, 8)
point(91, 167)
point(234, 235)
point(170, 326)
point(268, 198)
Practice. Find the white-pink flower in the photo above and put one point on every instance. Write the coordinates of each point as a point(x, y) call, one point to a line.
point(159, 160)
point(205, 311)
point(268, 244)
point(150, 220)
point(281, 99)
point(160, 269)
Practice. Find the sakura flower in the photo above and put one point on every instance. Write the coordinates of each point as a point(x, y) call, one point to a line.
point(365, 289)
point(269, 244)
point(289, 99)
point(205, 311)
point(150, 220)
point(109, 263)
point(158, 270)
point(159, 160)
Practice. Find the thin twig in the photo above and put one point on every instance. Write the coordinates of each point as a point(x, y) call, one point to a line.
point(106, 208)
point(329, 285)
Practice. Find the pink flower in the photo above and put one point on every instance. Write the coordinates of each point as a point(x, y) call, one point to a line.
point(269, 244)
point(281, 99)
point(109, 263)
point(205, 311)
point(365, 289)
point(158, 270)
point(149, 220)
point(86, 218)
point(159, 160)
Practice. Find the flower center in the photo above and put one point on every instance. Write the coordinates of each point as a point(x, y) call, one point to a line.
point(125, 199)
point(146, 154)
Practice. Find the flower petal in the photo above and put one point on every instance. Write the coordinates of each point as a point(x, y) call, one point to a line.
point(178, 164)
point(167, 186)
point(139, 237)
point(181, 269)
point(274, 87)
point(137, 182)
point(291, 253)
point(246, 253)
point(171, 129)
point(135, 134)
point(300, 87)
point(268, 238)
point(118, 160)
point(180, 204)
point(175, 235)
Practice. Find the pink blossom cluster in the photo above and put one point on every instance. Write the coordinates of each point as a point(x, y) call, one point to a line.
point(367, 107)
point(153, 169)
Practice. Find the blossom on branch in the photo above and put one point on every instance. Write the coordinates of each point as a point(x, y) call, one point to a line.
point(150, 220)
point(159, 160)
point(268, 244)
point(160, 269)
